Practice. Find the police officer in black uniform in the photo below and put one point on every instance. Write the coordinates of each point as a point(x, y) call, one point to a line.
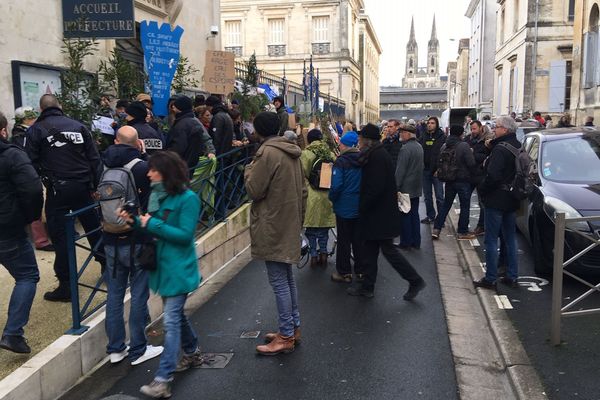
point(136, 117)
point(64, 153)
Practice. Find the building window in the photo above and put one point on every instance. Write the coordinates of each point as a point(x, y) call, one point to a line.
point(233, 37)
point(276, 31)
point(590, 55)
point(501, 35)
point(320, 29)
point(568, 79)
point(516, 16)
point(571, 10)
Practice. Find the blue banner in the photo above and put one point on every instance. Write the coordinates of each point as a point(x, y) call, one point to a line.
point(161, 56)
point(269, 92)
point(98, 19)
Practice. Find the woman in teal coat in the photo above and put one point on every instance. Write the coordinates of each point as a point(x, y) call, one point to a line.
point(173, 212)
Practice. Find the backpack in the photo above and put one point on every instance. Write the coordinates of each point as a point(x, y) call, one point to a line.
point(522, 184)
point(447, 168)
point(314, 178)
point(115, 190)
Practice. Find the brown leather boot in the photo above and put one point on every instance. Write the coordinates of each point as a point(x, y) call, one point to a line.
point(281, 344)
point(269, 337)
point(314, 261)
point(323, 259)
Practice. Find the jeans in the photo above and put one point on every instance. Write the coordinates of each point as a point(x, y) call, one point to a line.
point(394, 257)
point(118, 272)
point(497, 221)
point(18, 258)
point(317, 235)
point(410, 235)
point(428, 181)
point(281, 278)
point(66, 197)
point(464, 190)
point(179, 334)
point(348, 242)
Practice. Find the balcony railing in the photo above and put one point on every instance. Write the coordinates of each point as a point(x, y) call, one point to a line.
point(237, 50)
point(276, 50)
point(321, 48)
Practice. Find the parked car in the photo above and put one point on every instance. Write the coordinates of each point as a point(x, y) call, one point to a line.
point(526, 127)
point(567, 180)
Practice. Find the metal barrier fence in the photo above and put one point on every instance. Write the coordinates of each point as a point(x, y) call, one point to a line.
point(558, 310)
point(219, 183)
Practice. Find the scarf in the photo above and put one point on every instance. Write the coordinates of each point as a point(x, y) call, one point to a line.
point(157, 195)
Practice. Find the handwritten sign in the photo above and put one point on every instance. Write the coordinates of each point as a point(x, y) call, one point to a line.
point(219, 72)
point(104, 125)
point(161, 56)
point(98, 19)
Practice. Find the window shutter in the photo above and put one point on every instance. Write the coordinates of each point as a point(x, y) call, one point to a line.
point(558, 81)
point(320, 29)
point(276, 31)
point(515, 88)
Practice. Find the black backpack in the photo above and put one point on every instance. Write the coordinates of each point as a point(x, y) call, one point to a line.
point(447, 168)
point(522, 185)
point(314, 178)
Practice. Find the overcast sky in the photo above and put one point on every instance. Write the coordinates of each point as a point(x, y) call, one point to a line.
point(391, 19)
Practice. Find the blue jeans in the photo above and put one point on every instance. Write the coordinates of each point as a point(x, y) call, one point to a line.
point(428, 181)
point(179, 334)
point(410, 235)
point(314, 236)
point(464, 190)
point(281, 278)
point(497, 221)
point(18, 258)
point(118, 272)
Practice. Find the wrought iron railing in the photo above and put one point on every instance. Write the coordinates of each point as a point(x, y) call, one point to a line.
point(219, 182)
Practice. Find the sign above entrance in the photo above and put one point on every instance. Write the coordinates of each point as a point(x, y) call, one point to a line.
point(100, 19)
point(161, 56)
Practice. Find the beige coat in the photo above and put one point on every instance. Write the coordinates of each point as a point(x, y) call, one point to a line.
point(274, 183)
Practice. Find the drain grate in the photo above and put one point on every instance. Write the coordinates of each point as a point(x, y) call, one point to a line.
point(216, 360)
point(250, 335)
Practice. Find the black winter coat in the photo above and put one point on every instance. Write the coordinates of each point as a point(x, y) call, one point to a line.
point(392, 145)
point(20, 192)
point(432, 143)
point(188, 138)
point(499, 171)
point(464, 158)
point(480, 153)
point(19, 137)
point(221, 129)
point(153, 140)
point(378, 213)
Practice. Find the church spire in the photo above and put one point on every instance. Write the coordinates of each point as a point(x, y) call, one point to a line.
point(433, 42)
point(412, 42)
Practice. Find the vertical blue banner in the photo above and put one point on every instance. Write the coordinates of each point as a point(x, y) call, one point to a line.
point(161, 56)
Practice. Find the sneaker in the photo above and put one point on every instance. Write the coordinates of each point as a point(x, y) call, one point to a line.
point(48, 247)
point(360, 291)
point(157, 390)
point(466, 236)
point(118, 357)
point(187, 361)
point(414, 289)
point(150, 353)
point(435, 234)
point(16, 344)
point(512, 283)
point(427, 220)
point(62, 293)
point(337, 277)
point(479, 231)
point(485, 284)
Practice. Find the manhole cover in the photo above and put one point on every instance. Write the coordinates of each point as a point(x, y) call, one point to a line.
point(216, 360)
point(250, 334)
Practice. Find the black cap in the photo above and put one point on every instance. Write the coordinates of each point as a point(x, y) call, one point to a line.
point(137, 110)
point(183, 103)
point(456, 130)
point(370, 131)
point(266, 124)
point(314, 134)
point(212, 101)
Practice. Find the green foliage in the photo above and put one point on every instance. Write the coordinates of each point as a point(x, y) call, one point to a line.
point(250, 104)
point(252, 72)
point(121, 77)
point(184, 76)
point(80, 91)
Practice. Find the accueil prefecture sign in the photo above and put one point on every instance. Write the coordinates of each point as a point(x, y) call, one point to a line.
point(98, 19)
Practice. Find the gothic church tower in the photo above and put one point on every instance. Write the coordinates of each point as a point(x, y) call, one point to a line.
point(412, 53)
point(433, 53)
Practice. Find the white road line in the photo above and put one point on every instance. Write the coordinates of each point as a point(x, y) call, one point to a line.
point(503, 302)
point(482, 265)
point(475, 243)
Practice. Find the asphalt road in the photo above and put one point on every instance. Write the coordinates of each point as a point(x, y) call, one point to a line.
point(569, 371)
point(352, 348)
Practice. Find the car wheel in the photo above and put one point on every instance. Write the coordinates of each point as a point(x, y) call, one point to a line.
point(542, 254)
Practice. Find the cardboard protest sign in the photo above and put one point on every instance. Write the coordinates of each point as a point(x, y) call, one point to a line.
point(219, 72)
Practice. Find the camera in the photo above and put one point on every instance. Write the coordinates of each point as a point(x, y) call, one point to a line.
point(131, 208)
point(214, 30)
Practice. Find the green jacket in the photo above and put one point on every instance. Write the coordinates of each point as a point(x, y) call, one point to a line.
point(319, 210)
point(177, 264)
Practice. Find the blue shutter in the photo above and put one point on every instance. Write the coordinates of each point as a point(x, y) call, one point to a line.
point(558, 81)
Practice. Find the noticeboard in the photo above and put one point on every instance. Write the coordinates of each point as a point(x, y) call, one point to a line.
point(219, 72)
point(98, 19)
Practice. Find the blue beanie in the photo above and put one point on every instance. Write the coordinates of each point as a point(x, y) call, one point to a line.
point(350, 139)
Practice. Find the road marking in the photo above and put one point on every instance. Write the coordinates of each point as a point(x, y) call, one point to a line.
point(482, 265)
point(533, 283)
point(503, 302)
point(474, 242)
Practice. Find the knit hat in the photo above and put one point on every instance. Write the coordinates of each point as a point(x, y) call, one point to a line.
point(370, 131)
point(456, 130)
point(265, 123)
point(212, 101)
point(314, 134)
point(137, 110)
point(183, 103)
point(143, 97)
point(350, 139)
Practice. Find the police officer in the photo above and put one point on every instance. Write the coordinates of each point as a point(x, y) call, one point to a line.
point(137, 114)
point(64, 153)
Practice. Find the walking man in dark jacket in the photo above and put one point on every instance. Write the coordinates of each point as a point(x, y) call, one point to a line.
point(379, 217)
point(391, 142)
point(432, 141)
point(344, 194)
point(137, 114)
point(460, 186)
point(20, 204)
point(121, 261)
point(282, 114)
point(221, 125)
point(477, 141)
point(64, 153)
point(409, 180)
point(500, 205)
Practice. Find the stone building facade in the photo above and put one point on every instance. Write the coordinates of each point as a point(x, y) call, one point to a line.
point(422, 77)
point(534, 41)
point(31, 38)
point(457, 87)
point(283, 34)
point(370, 52)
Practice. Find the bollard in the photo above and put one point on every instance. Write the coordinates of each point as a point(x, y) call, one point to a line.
point(559, 249)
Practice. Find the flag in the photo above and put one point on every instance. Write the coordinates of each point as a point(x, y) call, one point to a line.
point(317, 92)
point(304, 88)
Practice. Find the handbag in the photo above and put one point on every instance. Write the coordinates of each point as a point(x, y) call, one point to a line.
point(147, 255)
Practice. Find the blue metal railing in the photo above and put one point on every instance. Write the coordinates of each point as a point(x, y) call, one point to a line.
point(219, 183)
